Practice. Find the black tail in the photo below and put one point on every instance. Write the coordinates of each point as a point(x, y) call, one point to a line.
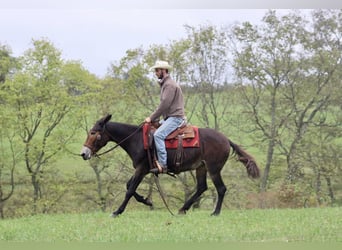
point(247, 160)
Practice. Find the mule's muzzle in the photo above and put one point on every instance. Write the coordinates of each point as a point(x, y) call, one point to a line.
point(86, 153)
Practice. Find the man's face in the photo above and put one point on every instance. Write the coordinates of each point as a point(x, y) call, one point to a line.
point(160, 73)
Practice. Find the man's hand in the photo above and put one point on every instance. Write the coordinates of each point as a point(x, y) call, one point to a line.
point(148, 120)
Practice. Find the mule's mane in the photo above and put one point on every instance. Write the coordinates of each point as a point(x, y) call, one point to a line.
point(121, 131)
point(122, 125)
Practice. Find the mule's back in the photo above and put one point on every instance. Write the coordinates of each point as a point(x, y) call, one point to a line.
point(215, 146)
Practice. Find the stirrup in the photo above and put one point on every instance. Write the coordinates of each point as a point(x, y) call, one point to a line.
point(160, 169)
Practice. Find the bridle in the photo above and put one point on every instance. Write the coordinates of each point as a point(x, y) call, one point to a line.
point(105, 131)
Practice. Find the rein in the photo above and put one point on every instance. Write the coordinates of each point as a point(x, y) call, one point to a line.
point(118, 144)
point(162, 195)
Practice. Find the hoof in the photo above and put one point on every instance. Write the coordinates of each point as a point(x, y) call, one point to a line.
point(114, 215)
point(182, 212)
point(148, 202)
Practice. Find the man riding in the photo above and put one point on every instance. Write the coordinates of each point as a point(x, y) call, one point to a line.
point(171, 108)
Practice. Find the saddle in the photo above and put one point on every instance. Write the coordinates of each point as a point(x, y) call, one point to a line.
point(188, 135)
point(183, 137)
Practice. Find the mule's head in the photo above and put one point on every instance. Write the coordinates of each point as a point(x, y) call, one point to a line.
point(96, 139)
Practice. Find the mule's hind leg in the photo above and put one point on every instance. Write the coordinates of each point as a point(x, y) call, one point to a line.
point(201, 177)
point(221, 190)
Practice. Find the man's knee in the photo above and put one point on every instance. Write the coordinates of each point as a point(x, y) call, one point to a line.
point(159, 136)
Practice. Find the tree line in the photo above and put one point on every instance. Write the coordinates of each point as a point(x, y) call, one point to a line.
point(275, 87)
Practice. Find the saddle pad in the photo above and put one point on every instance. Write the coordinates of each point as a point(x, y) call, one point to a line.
point(193, 142)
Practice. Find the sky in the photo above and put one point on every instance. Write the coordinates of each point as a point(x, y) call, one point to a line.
point(99, 34)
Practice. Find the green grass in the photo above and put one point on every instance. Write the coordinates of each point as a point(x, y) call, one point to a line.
point(297, 225)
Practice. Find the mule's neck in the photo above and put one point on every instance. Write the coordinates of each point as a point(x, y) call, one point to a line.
point(130, 139)
point(120, 132)
point(124, 134)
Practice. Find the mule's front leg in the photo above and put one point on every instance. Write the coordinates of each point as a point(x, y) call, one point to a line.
point(139, 197)
point(132, 187)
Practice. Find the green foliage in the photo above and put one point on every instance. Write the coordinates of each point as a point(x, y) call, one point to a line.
point(37, 100)
point(7, 62)
point(288, 69)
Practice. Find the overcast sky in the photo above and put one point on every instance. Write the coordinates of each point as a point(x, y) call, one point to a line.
point(100, 34)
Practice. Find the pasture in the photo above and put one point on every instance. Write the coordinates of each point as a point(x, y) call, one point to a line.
point(320, 225)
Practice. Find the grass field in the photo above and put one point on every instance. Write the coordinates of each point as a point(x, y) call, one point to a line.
point(286, 225)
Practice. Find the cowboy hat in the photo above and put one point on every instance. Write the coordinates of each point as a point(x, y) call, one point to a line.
point(161, 65)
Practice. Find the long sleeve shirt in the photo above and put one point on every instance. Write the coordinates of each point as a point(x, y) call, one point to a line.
point(171, 100)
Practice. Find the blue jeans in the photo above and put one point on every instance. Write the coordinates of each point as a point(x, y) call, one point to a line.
point(167, 126)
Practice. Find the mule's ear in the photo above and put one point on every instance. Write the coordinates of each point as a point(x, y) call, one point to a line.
point(107, 118)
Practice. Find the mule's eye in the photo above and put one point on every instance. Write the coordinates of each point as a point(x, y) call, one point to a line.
point(98, 137)
point(92, 132)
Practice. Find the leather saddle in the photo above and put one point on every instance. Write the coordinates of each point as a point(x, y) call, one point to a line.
point(183, 137)
point(187, 133)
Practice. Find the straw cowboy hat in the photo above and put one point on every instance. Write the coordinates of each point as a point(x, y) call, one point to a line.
point(161, 65)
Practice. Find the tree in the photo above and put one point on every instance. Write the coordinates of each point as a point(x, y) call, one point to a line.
point(8, 150)
point(10, 155)
point(288, 71)
point(7, 62)
point(323, 155)
point(207, 72)
point(323, 158)
point(39, 103)
point(320, 67)
point(132, 71)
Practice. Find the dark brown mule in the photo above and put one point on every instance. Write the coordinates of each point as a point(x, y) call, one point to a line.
point(209, 158)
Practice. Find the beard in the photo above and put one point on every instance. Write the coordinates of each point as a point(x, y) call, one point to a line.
point(161, 76)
